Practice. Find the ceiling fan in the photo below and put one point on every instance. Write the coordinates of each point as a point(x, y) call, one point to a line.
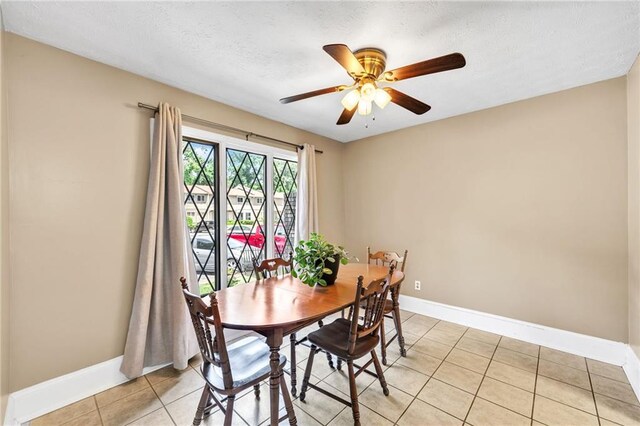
point(367, 68)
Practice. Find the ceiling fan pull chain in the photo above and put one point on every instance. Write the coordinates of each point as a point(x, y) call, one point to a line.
point(373, 118)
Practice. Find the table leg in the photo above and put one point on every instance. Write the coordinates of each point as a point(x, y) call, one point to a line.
point(398, 323)
point(274, 340)
point(292, 364)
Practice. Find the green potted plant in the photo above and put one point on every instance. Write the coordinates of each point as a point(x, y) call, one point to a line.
point(316, 261)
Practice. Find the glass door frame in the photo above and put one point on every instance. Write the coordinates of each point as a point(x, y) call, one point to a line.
point(216, 189)
point(223, 143)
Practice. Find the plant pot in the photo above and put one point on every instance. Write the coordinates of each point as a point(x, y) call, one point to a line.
point(334, 266)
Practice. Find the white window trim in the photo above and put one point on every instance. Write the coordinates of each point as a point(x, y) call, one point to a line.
point(224, 142)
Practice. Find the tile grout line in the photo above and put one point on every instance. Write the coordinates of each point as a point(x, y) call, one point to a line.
point(552, 378)
point(482, 381)
point(72, 418)
point(164, 407)
point(610, 396)
point(607, 377)
point(389, 366)
point(120, 399)
point(327, 384)
point(555, 379)
point(497, 380)
point(535, 385)
point(473, 371)
point(491, 359)
point(573, 386)
point(28, 422)
point(98, 409)
point(337, 414)
point(432, 374)
point(593, 392)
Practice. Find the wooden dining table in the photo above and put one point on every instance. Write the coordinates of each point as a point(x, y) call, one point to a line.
point(278, 306)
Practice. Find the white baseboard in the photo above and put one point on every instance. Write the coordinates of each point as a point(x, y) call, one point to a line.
point(604, 350)
point(42, 398)
point(34, 401)
point(632, 370)
point(579, 344)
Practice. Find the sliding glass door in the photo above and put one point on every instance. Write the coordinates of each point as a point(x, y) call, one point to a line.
point(254, 219)
point(285, 192)
point(200, 201)
point(246, 211)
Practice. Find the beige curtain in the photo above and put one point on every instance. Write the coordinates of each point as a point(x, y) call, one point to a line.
point(160, 330)
point(307, 199)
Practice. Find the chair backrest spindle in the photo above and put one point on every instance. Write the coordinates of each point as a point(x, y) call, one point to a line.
point(371, 299)
point(212, 346)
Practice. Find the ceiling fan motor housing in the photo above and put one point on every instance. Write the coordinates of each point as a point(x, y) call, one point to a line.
point(372, 60)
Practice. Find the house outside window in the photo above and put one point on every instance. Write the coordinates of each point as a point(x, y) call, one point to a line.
point(240, 200)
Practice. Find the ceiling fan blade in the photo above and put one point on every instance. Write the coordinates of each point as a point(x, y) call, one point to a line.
point(346, 116)
point(407, 102)
point(312, 94)
point(344, 56)
point(430, 66)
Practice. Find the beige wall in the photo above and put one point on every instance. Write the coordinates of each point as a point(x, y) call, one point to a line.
point(633, 135)
point(77, 143)
point(4, 239)
point(519, 210)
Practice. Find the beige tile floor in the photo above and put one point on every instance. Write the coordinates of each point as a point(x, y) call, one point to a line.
point(452, 375)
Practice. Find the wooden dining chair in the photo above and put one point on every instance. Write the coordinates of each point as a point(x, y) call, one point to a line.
point(227, 370)
point(392, 306)
point(352, 338)
point(266, 269)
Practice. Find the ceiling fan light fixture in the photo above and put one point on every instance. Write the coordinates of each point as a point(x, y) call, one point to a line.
point(366, 67)
point(364, 107)
point(368, 92)
point(382, 98)
point(350, 100)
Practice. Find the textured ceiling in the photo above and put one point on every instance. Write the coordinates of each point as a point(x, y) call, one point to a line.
point(249, 55)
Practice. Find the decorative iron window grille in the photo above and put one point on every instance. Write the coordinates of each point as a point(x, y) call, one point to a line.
point(199, 162)
point(246, 176)
point(285, 192)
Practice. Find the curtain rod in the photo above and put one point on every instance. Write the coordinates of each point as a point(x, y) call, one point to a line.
point(226, 128)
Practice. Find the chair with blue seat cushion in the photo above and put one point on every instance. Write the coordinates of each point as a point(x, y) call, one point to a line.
point(227, 371)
